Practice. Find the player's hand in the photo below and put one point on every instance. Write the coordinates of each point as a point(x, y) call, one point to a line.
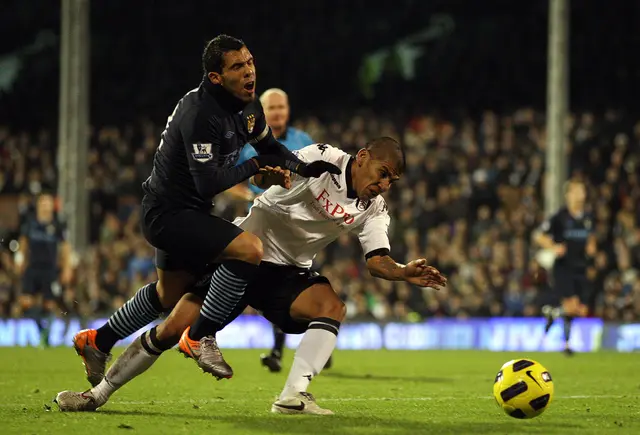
point(264, 161)
point(419, 273)
point(560, 249)
point(19, 269)
point(275, 177)
point(316, 169)
point(65, 276)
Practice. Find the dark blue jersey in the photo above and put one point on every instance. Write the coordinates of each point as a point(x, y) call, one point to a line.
point(44, 239)
point(200, 146)
point(574, 233)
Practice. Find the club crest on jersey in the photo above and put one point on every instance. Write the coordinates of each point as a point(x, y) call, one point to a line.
point(362, 205)
point(251, 122)
point(202, 152)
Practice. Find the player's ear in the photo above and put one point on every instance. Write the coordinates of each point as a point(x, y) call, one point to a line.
point(362, 157)
point(215, 78)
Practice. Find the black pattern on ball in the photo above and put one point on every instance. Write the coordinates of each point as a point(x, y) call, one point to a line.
point(518, 413)
point(521, 365)
point(540, 402)
point(513, 391)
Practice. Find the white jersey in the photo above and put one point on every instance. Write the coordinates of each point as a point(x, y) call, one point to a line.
point(294, 225)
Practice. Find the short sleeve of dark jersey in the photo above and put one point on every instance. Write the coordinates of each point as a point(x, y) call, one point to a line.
point(62, 231)
point(25, 226)
point(589, 223)
point(553, 228)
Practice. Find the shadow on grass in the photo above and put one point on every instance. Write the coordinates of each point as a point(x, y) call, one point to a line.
point(371, 377)
point(337, 424)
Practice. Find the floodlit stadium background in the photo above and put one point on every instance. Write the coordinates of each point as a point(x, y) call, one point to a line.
point(463, 84)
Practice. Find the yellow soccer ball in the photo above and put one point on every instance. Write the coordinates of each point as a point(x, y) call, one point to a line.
point(523, 388)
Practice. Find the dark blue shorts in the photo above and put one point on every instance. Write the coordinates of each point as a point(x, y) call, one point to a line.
point(40, 282)
point(272, 292)
point(568, 283)
point(185, 239)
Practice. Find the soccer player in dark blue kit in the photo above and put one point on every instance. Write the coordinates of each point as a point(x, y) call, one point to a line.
point(196, 160)
point(569, 234)
point(44, 261)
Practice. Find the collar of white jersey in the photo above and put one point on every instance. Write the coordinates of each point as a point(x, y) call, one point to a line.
point(348, 180)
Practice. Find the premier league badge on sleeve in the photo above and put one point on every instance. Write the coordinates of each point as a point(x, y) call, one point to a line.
point(202, 152)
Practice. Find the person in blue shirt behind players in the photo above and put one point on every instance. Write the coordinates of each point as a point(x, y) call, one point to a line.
point(275, 103)
point(276, 110)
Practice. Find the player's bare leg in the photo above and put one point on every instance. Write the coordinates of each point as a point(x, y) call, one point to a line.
point(571, 308)
point(49, 308)
point(241, 260)
point(321, 306)
point(137, 358)
point(31, 310)
point(550, 313)
point(94, 345)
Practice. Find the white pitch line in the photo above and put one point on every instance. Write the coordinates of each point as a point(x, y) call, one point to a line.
point(342, 399)
point(367, 399)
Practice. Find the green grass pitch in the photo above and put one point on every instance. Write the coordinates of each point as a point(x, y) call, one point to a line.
point(371, 392)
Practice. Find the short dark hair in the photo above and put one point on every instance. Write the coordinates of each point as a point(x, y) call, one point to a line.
point(572, 182)
point(46, 191)
point(213, 56)
point(387, 148)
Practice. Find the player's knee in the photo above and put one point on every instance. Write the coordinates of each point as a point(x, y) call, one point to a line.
point(49, 306)
point(166, 298)
point(171, 286)
point(248, 248)
point(332, 308)
point(26, 302)
point(570, 308)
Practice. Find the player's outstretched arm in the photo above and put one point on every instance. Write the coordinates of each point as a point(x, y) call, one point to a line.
point(416, 272)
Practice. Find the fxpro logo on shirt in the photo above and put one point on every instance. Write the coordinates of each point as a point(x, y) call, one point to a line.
point(331, 210)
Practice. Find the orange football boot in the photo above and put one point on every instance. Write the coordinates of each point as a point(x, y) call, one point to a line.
point(94, 360)
point(206, 354)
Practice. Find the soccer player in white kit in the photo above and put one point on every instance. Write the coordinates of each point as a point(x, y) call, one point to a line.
point(294, 223)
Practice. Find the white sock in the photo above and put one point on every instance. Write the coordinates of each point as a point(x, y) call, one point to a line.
point(137, 358)
point(313, 352)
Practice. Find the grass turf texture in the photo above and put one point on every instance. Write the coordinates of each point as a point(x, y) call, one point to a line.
point(371, 392)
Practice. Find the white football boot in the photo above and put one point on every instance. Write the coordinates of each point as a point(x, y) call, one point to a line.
point(301, 403)
point(71, 401)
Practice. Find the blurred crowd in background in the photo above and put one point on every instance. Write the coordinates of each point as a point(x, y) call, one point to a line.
point(468, 202)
